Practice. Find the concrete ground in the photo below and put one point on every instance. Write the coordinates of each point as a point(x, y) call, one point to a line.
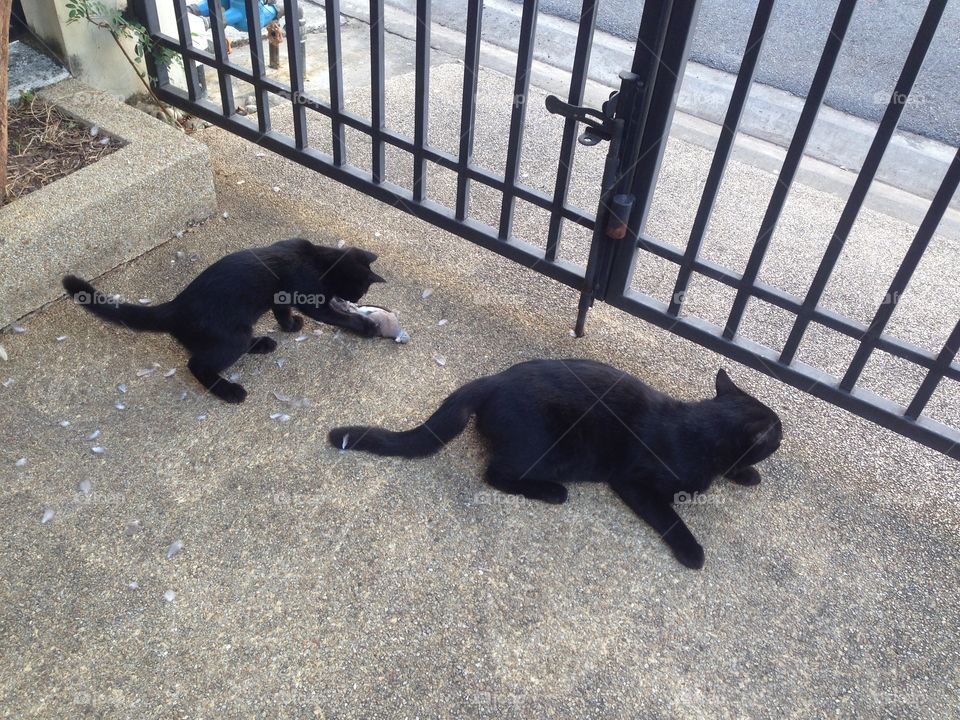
point(313, 583)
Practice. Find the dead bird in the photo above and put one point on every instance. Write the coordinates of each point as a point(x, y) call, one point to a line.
point(387, 322)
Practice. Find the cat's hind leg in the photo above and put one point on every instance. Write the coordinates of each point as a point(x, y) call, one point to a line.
point(664, 519)
point(506, 478)
point(286, 319)
point(207, 364)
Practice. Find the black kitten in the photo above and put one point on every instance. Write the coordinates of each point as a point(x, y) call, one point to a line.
point(555, 421)
point(214, 316)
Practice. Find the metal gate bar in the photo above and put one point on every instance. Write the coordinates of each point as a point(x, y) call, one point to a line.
point(891, 117)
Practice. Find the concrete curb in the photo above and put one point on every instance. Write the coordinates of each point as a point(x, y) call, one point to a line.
point(912, 163)
point(107, 213)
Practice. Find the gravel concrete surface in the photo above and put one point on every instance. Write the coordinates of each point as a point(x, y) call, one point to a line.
point(313, 583)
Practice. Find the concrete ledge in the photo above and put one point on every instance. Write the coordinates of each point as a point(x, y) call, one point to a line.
point(107, 213)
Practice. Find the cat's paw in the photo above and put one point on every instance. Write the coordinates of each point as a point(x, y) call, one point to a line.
point(549, 492)
point(262, 346)
point(689, 554)
point(293, 324)
point(744, 476)
point(230, 392)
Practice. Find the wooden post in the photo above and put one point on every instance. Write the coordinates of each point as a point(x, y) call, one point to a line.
point(5, 6)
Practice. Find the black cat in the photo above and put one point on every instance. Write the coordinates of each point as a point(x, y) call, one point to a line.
point(213, 317)
point(554, 421)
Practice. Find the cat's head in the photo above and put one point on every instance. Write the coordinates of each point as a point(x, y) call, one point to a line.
point(350, 276)
point(756, 429)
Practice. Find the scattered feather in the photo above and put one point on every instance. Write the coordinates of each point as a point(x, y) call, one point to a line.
point(281, 361)
point(8, 382)
point(64, 423)
point(94, 435)
point(234, 376)
point(175, 547)
point(201, 418)
point(442, 322)
point(281, 417)
point(572, 333)
point(94, 131)
point(19, 329)
point(441, 360)
point(260, 154)
point(226, 215)
point(300, 338)
point(169, 596)
point(122, 387)
point(104, 141)
point(61, 338)
point(143, 372)
point(281, 397)
point(134, 585)
point(340, 243)
point(426, 293)
point(120, 406)
point(318, 332)
point(3, 354)
point(98, 450)
point(47, 516)
point(133, 527)
point(85, 486)
point(144, 301)
point(184, 395)
point(22, 462)
point(170, 373)
point(276, 188)
point(377, 234)
point(179, 234)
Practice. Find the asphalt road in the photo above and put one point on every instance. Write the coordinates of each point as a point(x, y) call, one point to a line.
point(876, 46)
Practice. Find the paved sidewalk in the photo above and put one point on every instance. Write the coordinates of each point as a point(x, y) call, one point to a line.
point(318, 584)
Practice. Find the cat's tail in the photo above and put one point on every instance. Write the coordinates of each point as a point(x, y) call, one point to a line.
point(440, 428)
point(135, 317)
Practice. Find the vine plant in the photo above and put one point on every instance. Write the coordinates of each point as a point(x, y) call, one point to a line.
point(122, 28)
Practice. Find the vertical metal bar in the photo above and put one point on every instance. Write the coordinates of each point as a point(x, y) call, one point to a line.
point(257, 64)
point(291, 21)
point(578, 81)
point(422, 89)
point(633, 102)
point(521, 84)
point(146, 10)
point(933, 378)
point(377, 74)
point(186, 40)
point(468, 107)
point(338, 133)
point(220, 50)
point(831, 51)
point(728, 133)
point(898, 100)
point(931, 220)
point(646, 156)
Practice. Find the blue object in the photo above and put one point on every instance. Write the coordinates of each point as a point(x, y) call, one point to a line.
point(235, 12)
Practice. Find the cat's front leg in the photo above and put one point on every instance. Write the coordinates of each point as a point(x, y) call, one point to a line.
point(744, 476)
point(664, 519)
point(286, 319)
point(354, 322)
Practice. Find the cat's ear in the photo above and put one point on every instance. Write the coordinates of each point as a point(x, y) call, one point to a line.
point(368, 257)
point(725, 384)
point(374, 278)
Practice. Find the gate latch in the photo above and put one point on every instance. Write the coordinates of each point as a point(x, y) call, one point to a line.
point(599, 123)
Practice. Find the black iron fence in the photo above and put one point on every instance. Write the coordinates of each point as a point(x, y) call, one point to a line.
point(635, 122)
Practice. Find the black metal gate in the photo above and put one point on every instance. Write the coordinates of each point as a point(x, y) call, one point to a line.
point(635, 122)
